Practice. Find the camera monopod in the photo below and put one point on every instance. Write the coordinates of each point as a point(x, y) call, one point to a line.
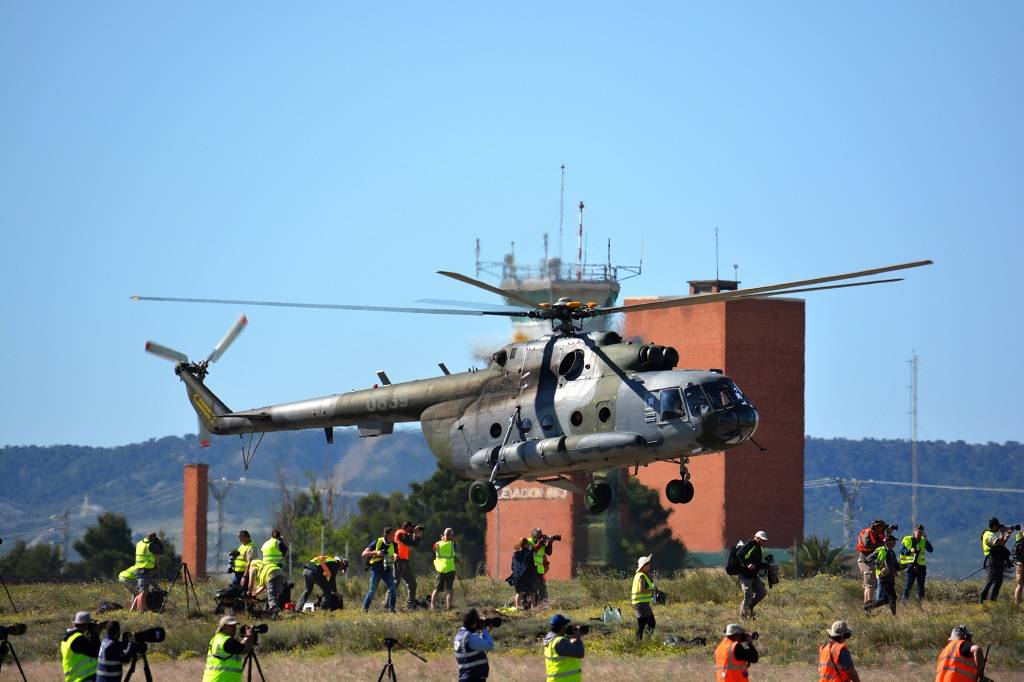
point(6, 647)
point(388, 671)
point(970, 575)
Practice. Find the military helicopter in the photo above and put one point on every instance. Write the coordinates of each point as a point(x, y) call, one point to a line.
point(569, 403)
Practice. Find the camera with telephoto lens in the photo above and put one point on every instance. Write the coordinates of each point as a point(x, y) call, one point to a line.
point(552, 538)
point(148, 636)
point(260, 628)
point(750, 636)
point(12, 630)
point(577, 629)
point(491, 622)
point(1016, 527)
point(891, 528)
point(660, 597)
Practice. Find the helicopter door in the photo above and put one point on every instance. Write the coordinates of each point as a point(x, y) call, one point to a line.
point(670, 405)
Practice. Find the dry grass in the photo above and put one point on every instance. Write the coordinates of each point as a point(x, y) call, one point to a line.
point(347, 644)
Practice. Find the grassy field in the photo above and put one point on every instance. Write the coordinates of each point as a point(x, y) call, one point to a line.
point(348, 644)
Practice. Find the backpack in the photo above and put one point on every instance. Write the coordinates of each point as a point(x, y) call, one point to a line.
point(732, 562)
point(1018, 551)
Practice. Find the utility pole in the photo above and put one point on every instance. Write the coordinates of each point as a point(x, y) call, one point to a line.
point(848, 489)
point(913, 438)
point(219, 494)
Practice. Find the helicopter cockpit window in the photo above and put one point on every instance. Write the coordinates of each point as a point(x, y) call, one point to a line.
point(724, 393)
point(671, 405)
point(696, 401)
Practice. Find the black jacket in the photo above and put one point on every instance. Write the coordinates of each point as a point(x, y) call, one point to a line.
point(751, 553)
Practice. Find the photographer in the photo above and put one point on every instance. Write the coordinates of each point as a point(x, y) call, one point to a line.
point(380, 556)
point(444, 564)
point(472, 642)
point(264, 575)
point(224, 656)
point(834, 659)
point(870, 539)
point(113, 654)
point(275, 549)
point(887, 567)
point(541, 545)
point(1018, 557)
point(993, 546)
point(79, 648)
point(143, 571)
point(241, 557)
point(752, 562)
point(642, 595)
point(735, 654)
point(524, 574)
point(961, 659)
point(406, 537)
point(912, 556)
point(322, 571)
point(563, 650)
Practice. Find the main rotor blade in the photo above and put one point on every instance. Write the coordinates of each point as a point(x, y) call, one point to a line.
point(522, 300)
point(787, 292)
point(701, 299)
point(165, 352)
point(330, 306)
point(476, 305)
point(228, 339)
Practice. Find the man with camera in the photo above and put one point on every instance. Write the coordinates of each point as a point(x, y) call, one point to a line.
point(406, 537)
point(472, 642)
point(869, 539)
point(80, 647)
point(1018, 558)
point(993, 547)
point(835, 663)
point(263, 576)
point(753, 561)
point(961, 659)
point(887, 567)
point(735, 654)
point(380, 557)
point(642, 596)
point(224, 656)
point(241, 557)
point(541, 545)
point(143, 571)
point(564, 650)
point(113, 653)
point(912, 558)
point(322, 571)
point(444, 564)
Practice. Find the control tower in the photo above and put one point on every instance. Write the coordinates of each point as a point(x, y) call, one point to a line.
point(551, 278)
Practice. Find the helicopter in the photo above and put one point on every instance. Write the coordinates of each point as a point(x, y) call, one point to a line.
point(568, 404)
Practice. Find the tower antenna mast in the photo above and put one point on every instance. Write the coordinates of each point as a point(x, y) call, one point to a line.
point(913, 438)
point(561, 214)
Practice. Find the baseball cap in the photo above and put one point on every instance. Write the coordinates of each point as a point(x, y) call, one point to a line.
point(960, 632)
point(761, 535)
point(557, 621)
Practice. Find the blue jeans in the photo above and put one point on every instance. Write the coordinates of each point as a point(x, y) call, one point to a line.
point(389, 580)
point(918, 574)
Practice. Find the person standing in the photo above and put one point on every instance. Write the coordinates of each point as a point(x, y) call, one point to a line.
point(524, 574)
point(113, 654)
point(275, 549)
point(322, 571)
point(752, 562)
point(224, 655)
point(541, 545)
point(406, 537)
point(380, 557)
point(444, 564)
point(993, 548)
point(563, 652)
point(472, 642)
point(869, 540)
point(642, 596)
point(912, 557)
point(734, 655)
point(835, 663)
point(245, 553)
point(886, 568)
point(961, 660)
point(79, 649)
point(1018, 557)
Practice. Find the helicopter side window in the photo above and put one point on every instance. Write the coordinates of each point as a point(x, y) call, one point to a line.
point(697, 401)
point(671, 405)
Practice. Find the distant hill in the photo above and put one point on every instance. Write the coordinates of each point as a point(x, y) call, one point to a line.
point(144, 482)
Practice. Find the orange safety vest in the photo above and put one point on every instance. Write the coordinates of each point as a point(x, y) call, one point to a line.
point(952, 667)
point(728, 668)
point(403, 549)
point(868, 541)
point(828, 662)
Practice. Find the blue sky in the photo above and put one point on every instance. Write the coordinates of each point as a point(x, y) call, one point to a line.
point(341, 153)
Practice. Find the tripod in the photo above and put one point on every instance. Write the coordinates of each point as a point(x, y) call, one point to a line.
point(388, 671)
point(9, 597)
point(6, 646)
point(190, 590)
point(145, 664)
point(247, 665)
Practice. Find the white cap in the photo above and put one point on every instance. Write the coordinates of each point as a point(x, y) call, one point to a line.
point(225, 621)
point(733, 629)
point(83, 618)
point(761, 535)
point(643, 560)
point(960, 632)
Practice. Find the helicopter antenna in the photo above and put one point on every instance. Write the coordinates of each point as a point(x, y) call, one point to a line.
point(561, 213)
point(579, 247)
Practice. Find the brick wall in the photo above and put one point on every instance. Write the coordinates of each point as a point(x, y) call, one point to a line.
point(193, 520)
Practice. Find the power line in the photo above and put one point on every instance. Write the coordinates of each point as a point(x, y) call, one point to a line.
point(827, 482)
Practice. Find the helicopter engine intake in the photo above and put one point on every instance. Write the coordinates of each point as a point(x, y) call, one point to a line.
point(560, 452)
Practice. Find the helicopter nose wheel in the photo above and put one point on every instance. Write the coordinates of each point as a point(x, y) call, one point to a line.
point(483, 495)
point(598, 497)
point(680, 490)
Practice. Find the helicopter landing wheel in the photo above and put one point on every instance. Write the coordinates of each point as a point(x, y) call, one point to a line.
point(598, 497)
point(483, 495)
point(679, 491)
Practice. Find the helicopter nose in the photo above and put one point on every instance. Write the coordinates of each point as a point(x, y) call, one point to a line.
point(730, 427)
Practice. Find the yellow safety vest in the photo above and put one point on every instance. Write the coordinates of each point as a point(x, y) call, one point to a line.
point(264, 571)
point(908, 542)
point(220, 665)
point(144, 557)
point(240, 562)
point(881, 554)
point(538, 557)
point(444, 556)
point(127, 574)
point(271, 551)
point(985, 537)
point(561, 668)
point(378, 547)
point(641, 593)
point(77, 667)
